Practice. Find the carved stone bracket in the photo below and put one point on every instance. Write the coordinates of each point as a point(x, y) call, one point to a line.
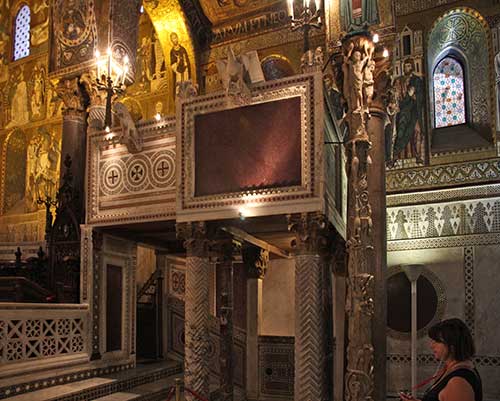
point(195, 236)
point(311, 231)
point(256, 261)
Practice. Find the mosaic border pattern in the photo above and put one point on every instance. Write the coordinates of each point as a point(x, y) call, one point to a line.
point(405, 7)
point(443, 242)
point(428, 359)
point(446, 175)
point(469, 287)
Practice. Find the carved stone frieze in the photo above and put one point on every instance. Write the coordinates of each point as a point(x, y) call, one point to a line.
point(310, 232)
point(195, 236)
point(256, 261)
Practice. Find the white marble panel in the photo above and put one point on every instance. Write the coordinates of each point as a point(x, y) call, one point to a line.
point(278, 298)
point(487, 300)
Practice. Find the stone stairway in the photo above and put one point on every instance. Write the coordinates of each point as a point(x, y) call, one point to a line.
point(145, 382)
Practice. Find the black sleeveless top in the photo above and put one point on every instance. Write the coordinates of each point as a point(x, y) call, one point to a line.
point(471, 376)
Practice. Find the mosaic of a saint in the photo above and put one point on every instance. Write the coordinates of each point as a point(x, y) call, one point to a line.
point(179, 60)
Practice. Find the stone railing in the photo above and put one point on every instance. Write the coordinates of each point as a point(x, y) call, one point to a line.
point(41, 336)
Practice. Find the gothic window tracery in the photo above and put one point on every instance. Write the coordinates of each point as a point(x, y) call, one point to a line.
point(22, 33)
point(449, 93)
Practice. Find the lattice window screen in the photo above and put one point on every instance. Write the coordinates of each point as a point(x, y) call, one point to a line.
point(449, 94)
point(22, 33)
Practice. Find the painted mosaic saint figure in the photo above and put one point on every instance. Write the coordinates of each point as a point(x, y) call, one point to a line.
point(409, 141)
point(357, 14)
point(179, 61)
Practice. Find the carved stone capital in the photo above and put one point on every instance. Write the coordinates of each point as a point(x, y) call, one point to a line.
point(195, 238)
point(312, 61)
point(256, 261)
point(311, 232)
point(89, 81)
point(224, 248)
point(70, 93)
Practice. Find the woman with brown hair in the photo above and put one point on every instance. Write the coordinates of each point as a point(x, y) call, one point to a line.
point(452, 344)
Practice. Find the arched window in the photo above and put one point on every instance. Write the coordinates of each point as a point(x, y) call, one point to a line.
point(22, 33)
point(449, 93)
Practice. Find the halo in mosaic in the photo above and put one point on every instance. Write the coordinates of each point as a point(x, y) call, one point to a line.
point(449, 94)
point(22, 33)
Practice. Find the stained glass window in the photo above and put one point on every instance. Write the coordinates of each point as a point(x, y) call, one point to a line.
point(22, 33)
point(449, 93)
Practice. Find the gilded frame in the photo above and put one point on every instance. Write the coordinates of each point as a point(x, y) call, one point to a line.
point(306, 197)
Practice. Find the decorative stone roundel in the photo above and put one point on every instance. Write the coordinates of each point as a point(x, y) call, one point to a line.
point(163, 173)
point(430, 302)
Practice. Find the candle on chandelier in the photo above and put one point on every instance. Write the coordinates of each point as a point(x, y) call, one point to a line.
point(289, 4)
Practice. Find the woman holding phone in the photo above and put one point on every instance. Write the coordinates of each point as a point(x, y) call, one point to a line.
point(451, 343)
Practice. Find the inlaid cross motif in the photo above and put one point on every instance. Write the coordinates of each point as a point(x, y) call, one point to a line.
point(162, 168)
point(137, 172)
point(113, 176)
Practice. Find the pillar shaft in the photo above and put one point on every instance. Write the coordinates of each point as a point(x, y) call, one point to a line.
point(224, 247)
point(256, 261)
point(197, 311)
point(376, 185)
point(310, 333)
point(310, 344)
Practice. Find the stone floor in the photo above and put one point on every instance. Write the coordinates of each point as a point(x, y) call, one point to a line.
point(146, 382)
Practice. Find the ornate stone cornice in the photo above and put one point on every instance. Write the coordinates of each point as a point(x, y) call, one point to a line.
point(195, 236)
point(310, 231)
point(256, 261)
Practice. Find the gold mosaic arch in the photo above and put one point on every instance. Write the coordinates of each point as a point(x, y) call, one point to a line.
point(167, 17)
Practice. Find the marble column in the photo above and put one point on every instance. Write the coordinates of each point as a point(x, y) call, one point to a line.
point(310, 335)
point(224, 248)
point(197, 311)
point(256, 261)
point(376, 187)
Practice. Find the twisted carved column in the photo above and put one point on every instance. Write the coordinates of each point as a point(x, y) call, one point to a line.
point(256, 261)
point(197, 311)
point(358, 90)
point(310, 334)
